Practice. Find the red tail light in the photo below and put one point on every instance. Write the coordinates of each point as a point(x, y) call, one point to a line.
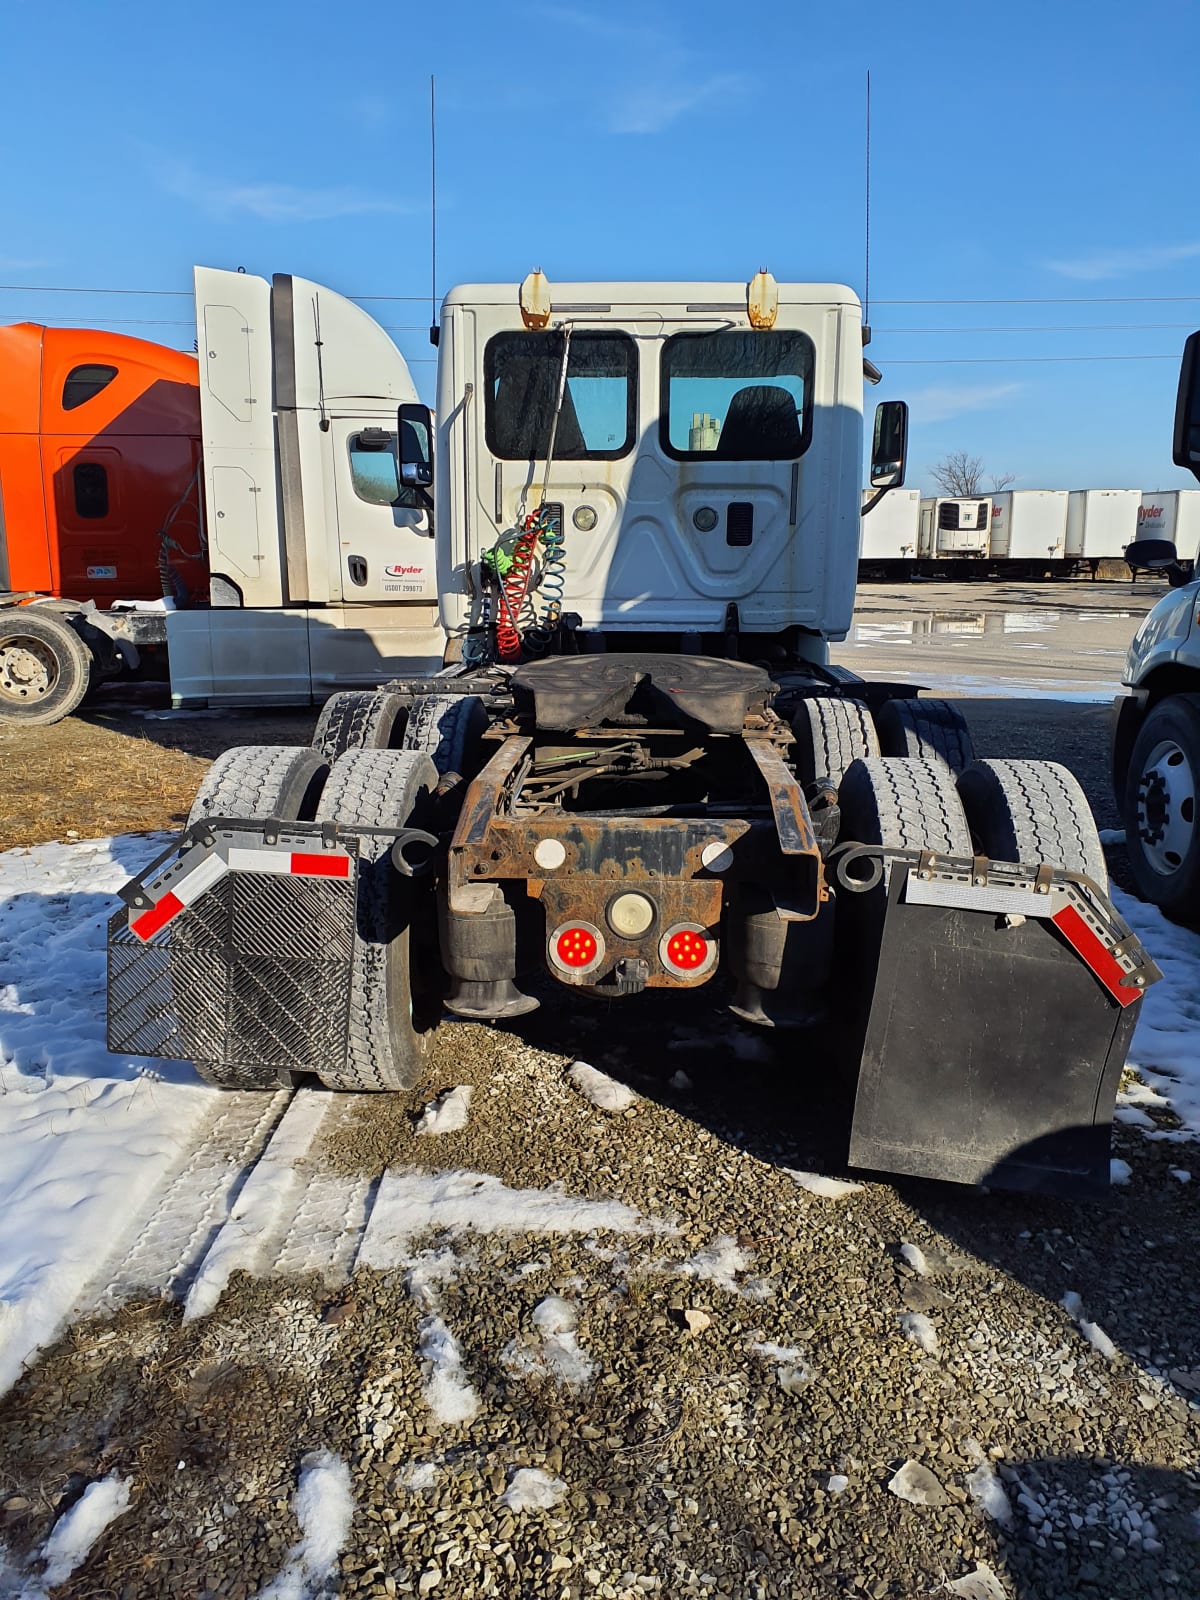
point(687, 951)
point(576, 948)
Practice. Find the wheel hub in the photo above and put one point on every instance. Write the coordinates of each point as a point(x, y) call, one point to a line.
point(28, 670)
point(1166, 807)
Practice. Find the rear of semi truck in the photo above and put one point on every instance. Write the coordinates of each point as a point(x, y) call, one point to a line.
point(640, 771)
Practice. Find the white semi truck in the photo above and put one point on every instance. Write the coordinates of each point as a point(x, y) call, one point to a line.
point(639, 771)
point(1156, 720)
point(261, 478)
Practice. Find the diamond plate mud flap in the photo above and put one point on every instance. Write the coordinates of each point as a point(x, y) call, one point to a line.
point(236, 948)
point(992, 1041)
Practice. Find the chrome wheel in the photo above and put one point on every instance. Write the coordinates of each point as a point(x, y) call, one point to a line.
point(1166, 807)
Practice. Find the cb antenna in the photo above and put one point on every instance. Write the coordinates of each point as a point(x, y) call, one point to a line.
point(867, 244)
point(433, 317)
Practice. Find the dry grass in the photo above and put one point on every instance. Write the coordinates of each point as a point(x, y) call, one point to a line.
point(119, 772)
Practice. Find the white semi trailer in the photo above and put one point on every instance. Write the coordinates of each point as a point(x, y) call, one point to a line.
point(891, 528)
point(1167, 514)
point(1100, 523)
point(1029, 530)
point(644, 774)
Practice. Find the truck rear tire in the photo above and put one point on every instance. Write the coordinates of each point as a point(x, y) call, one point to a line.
point(258, 781)
point(448, 728)
point(361, 719)
point(906, 803)
point(254, 782)
point(1162, 790)
point(45, 667)
point(830, 734)
point(1032, 811)
point(395, 1000)
point(933, 730)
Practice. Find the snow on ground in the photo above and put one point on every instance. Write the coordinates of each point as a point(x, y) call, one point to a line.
point(604, 1092)
point(412, 1203)
point(1166, 1046)
point(87, 1137)
point(826, 1188)
point(553, 1350)
point(532, 1489)
point(70, 1541)
point(448, 1113)
point(448, 1391)
point(324, 1508)
point(916, 1326)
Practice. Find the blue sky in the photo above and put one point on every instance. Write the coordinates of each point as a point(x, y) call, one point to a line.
point(1037, 152)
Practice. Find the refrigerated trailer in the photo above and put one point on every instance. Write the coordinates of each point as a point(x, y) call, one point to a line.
point(955, 528)
point(644, 774)
point(234, 519)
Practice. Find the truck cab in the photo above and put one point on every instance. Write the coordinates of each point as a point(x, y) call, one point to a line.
point(1156, 739)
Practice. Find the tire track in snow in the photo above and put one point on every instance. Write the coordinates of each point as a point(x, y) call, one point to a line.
point(185, 1215)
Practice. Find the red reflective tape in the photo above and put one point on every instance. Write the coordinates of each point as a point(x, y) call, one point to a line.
point(314, 866)
point(1102, 962)
point(150, 922)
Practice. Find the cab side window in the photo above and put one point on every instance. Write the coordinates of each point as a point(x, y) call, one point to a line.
point(85, 383)
point(375, 472)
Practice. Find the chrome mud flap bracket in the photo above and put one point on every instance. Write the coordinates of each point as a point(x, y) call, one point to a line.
point(994, 1033)
point(235, 946)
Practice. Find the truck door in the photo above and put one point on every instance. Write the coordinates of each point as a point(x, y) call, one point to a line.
point(384, 530)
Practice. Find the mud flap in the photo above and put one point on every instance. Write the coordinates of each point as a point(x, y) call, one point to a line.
point(992, 1042)
point(236, 949)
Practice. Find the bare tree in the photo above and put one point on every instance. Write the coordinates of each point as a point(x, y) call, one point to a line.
point(958, 473)
point(1001, 480)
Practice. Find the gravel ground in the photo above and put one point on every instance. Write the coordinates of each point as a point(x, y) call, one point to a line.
point(697, 1455)
point(738, 1390)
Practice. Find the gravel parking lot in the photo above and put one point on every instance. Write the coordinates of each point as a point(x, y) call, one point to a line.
point(611, 1334)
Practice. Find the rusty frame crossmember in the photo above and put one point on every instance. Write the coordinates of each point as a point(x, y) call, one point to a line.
point(575, 864)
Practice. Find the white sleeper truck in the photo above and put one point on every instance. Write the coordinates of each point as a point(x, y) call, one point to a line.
point(1156, 722)
point(638, 770)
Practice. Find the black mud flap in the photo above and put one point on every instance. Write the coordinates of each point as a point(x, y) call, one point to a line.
point(996, 1030)
point(236, 949)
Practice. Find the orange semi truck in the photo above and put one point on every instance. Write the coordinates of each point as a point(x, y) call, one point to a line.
point(233, 518)
point(99, 497)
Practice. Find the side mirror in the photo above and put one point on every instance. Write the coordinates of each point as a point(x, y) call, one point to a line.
point(1187, 408)
point(1151, 554)
point(889, 450)
point(414, 429)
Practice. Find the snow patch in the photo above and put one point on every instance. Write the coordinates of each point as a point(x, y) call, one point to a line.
point(447, 1389)
point(721, 1262)
point(324, 1508)
point(982, 1584)
point(914, 1257)
point(73, 1535)
point(448, 1113)
point(604, 1092)
point(792, 1371)
point(838, 1483)
point(1119, 1171)
point(1166, 1045)
point(411, 1202)
point(985, 1488)
point(1181, 1174)
point(419, 1475)
point(917, 1327)
point(1112, 835)
point(1097, 1338)
point(557, 1353)
point(88, 1137)
point(531, 1489)
point(826, 1188)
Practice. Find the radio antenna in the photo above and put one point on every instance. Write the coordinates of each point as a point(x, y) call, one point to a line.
point(867, 244)
point(433, 317)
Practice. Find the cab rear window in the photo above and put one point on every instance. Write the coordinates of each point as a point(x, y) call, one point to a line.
point(736, 395)
point(597, 418)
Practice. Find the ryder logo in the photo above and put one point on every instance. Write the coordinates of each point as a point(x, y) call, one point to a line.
point(405, 572)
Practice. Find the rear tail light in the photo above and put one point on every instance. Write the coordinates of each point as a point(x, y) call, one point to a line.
point(576, 948)
point(687, 951)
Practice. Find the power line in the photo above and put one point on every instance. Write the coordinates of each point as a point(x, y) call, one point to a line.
point(994, 361)
point(1077, 327)
point(1062, 300)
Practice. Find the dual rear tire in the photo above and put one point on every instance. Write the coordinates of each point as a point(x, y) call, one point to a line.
point(831, 733)
point(394, 1004)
